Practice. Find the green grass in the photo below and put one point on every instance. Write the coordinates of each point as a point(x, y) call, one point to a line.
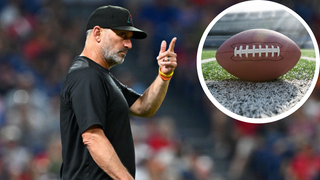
point(213, 71)
point(206, 54)
point(304, 69)
point(306, 53)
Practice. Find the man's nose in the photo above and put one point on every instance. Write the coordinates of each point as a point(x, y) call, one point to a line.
point(127, 43)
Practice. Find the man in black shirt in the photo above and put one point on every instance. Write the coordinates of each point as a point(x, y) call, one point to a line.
point(95, 129)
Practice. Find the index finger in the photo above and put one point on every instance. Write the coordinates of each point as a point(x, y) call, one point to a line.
point(163, 46)
point(172, 43)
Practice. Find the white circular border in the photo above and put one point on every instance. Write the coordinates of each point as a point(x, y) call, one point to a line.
point(225, 110)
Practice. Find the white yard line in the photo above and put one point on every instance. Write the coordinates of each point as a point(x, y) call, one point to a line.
point(308, 58)
point(213, 59)
point(208, 60)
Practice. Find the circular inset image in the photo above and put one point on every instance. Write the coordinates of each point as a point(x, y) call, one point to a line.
point(258, 61)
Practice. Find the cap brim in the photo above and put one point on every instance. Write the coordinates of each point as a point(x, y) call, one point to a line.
point(137, 33)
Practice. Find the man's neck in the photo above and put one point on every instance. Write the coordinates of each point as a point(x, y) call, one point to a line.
point(95, 55)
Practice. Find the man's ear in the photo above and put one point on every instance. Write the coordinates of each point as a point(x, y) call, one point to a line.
point(97, 33)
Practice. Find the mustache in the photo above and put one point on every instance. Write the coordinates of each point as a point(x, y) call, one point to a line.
point(125, 50)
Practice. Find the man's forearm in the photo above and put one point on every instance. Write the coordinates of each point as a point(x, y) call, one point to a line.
point(148, 104)
point(104, 154)
point(151, 100)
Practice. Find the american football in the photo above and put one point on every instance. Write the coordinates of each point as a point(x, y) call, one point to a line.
point(258, 55)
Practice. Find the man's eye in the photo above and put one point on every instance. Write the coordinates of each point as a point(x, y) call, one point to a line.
point(123, 34)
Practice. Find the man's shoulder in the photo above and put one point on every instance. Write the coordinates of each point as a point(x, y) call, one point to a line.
point(79, 63)
point(82, 67)
point(81, 72)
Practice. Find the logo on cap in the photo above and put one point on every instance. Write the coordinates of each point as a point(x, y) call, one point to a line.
point(130, 19)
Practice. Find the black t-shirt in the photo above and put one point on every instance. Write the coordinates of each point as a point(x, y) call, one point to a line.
point(92, 96)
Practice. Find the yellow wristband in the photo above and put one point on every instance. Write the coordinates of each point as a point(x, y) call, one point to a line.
point(170, 75)
point(164, 76)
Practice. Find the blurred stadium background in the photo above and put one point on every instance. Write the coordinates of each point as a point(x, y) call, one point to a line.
point(273, 18)
point(188, 139)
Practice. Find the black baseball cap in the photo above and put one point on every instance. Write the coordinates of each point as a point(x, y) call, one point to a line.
point(114, 17)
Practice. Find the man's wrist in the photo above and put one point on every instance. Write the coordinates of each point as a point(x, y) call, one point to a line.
point(165, 77)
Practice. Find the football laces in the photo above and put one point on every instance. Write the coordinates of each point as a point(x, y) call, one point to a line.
point(260, 50)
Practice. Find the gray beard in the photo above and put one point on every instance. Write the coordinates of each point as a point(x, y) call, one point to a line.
point(112, 58)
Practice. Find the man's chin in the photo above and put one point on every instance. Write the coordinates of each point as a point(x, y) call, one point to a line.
point(120, 60)
point(113, 62)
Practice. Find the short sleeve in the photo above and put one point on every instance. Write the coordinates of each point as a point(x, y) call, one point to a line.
point(88, 98)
